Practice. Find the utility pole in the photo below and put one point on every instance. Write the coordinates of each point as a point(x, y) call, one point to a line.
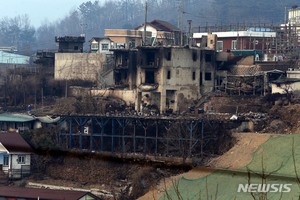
point(180, 19)
point(145, 23)
point(285, 22)
point(83, 25)
point(189, 35)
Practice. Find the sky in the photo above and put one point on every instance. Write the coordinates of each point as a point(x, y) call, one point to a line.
point(39, 11)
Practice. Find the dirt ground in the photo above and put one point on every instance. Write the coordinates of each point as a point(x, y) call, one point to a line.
point(134, 180)
point(237, 157)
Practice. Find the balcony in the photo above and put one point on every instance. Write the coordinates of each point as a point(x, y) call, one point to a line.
point(151, 65)
point(146, 87)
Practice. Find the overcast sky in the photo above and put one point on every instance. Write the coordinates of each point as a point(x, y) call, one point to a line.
point(39, 10)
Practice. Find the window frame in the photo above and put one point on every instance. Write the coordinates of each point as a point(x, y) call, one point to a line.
point(233, 44)
point(220, 44)
point(6, 160)
point(208, 76)
point(168, 74)
point(95, 46)
point(21, 159)
point(104, 47)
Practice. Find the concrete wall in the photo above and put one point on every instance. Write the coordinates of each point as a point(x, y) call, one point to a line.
point(13, 163)
point(282, 88)
point(178, 80)
point(128, 96)
point(84, 66)
point(293, 73)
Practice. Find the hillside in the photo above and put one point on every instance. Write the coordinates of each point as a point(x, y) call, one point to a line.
point(275, 162)
point(238, 156)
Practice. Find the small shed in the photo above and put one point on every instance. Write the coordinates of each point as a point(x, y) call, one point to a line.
point(16, 121)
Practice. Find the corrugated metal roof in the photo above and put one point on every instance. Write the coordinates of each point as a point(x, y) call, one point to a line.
point(44, 194)
point(164, 26)
point(14, 117)
point(286, 80)
point(48, 119)
point(12, 58)
point(14, 142)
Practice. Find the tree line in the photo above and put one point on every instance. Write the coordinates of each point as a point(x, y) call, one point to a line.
point(92, 17)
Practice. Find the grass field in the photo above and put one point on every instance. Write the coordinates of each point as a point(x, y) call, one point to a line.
point(274, 162)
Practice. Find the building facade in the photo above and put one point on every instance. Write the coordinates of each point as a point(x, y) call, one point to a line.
point(15, 155)
point(162, 79)
point(70, 44)
point(252, 39)
point(100, 45)
point(162, 32)
point(125, 38)
point(80, 66)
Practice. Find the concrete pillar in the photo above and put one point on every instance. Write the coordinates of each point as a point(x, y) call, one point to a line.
point(163, 102)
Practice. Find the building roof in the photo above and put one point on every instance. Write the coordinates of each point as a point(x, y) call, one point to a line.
point(13, 58)
point(164, 26)
point(3, 149)
point(14, 117)
point(14, 142)
point(286, 80)
point(44, 194)
point(48, 120)
point(98, 39)
point(77, 39)
point(229, 34)
point(160, 25)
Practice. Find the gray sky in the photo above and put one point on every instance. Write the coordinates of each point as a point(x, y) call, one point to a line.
point(39, 10)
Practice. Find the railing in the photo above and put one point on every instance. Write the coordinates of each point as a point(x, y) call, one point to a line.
point(18, 173)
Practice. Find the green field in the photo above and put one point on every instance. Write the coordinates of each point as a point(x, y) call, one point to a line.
point(274, 162)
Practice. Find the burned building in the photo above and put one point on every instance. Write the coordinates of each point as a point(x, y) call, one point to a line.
point(163, 79)
point(70, 44)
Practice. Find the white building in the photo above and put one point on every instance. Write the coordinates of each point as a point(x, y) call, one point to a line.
point(15, 155)
point(100, 45)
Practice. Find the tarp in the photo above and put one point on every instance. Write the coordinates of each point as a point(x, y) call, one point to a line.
point(277, 159)
point(48, 119)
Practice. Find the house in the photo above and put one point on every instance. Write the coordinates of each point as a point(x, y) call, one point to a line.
point(125, 38)
point(44, 194)
point(16, 121)
point(100, 45)
point(70, 44)
point(12, 61)
point(15, 155)
point(294, 20)
point(250, 39)
point(163, 33)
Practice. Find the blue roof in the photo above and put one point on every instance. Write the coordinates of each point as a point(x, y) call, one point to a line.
point(12, 58)
point(13, 117)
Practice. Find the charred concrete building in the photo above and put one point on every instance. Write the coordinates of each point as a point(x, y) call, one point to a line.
point(172, 78)
point(70, 44)
point(166, 79)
